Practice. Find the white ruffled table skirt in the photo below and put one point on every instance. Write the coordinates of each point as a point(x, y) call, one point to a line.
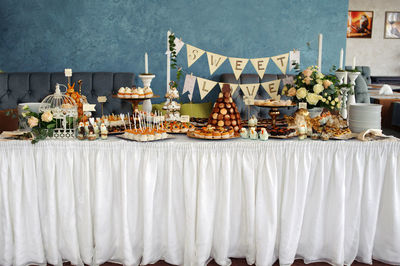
point(188, 201)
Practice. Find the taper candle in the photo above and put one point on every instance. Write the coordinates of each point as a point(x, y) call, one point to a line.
point(146, 64)
point(341, 59)
point(320, 52)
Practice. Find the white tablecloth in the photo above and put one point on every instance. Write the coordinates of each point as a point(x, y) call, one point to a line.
point(185, 201)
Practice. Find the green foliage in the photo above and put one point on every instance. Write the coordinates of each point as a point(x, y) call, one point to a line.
point(174, 65)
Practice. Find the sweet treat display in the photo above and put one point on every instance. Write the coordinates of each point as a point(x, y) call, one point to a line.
point(178, 127)
point(281, 132)
point(224, 112)
point(135, 93)
point(145, 128)
point(211, 132)
point(272, 102)
point(173, 107)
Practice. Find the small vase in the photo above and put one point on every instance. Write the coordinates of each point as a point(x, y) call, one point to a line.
point(316, 111)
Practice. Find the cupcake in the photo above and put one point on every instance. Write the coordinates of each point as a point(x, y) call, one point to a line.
point(184, 128)
point(176, 128)
point(135, 93)
point(217, 135)
point(191, 128)
point(209, 135)
point(225, 135)
point(140, 92)
point(128, 93)
point(121, 92)
point(148, 93)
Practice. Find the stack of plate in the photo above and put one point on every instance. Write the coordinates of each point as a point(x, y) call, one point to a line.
point(363, 116)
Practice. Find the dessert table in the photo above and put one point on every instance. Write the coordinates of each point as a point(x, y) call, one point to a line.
point(186, 201)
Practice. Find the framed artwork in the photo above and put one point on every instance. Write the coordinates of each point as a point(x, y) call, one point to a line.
point(359, 24)
point(392, 25)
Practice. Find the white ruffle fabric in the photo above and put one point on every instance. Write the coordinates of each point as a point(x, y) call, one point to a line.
point(188, 201)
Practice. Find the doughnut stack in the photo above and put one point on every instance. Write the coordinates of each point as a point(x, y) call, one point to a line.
point(225, 113)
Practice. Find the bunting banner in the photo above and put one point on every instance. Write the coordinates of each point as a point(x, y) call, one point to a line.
point(178, 45)
point(238, 64)
point(272, 88)
point(281, 61)
point(205, 86)
point(294, 59)
point(250, 90)
point(260, 65)
point(193, 53)
point(188, 86)
point(215, 61)
point(232, 85)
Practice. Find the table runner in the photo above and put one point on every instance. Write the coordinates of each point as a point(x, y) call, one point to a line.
point(186, 201)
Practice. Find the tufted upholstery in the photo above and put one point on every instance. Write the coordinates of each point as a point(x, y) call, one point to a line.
point(33, 87)
point(259, 112)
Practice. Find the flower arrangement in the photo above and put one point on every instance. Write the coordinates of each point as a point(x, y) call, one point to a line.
point(42, 124)
point(314, 88)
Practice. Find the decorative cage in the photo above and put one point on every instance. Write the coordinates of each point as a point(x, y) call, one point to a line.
point(65, 113)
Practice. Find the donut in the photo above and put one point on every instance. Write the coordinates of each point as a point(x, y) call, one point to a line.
point(234, 123)
point(221, 123)
point(223, 111)
point(227, 123)
point(220, 117)
point(227, 117)
point(221, 105)
point(214, 115)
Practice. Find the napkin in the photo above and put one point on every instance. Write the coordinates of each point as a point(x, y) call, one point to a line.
point(386, 90)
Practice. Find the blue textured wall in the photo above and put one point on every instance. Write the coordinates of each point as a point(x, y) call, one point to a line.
point(90, 35)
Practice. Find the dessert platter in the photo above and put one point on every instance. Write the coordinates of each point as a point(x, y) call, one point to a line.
point(273, 103)
point(135, 95)
point(213, 133)
point(146, 127)
point(177, 127)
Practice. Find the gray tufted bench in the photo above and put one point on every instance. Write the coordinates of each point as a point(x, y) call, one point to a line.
point(259, 112)
point(16, 88)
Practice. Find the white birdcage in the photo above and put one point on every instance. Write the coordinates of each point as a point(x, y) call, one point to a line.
point(65, 113)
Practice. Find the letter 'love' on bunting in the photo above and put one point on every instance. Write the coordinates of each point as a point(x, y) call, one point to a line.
point(193, 53)
point(272, 87)
point(238, 65)
point(281, 61)
point(250, 90)
point(215, 61)
point(260, 65)
point(205, 86)
point(232, 85)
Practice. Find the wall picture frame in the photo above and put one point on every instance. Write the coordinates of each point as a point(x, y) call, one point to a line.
point(359, 24)
point(392, 25)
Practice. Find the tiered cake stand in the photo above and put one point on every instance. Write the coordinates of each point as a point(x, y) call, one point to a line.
point(274, 111)
point(135, 101)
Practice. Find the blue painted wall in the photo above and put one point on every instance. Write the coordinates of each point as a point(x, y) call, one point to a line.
point(90, 35)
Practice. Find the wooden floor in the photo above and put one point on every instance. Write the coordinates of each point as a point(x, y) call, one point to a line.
point(242, 262)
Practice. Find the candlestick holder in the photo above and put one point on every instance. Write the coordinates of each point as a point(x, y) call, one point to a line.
point(342, 76)
point(352, 98)
point(146, 80)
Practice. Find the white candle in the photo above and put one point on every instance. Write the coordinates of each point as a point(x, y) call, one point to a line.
point(320, 52)
point(146, 63)
point(354, 63)
point(341, 59)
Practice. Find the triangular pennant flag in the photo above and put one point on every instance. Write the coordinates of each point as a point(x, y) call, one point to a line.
point(238, 65)
point(281, 61)
point(215, 61)
point(250, 90)
point(272, 87)
point(193, 53)
point(178, 45)
point(260, 65)
point(188, 86)
point(232, 85)
point(205, 86)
